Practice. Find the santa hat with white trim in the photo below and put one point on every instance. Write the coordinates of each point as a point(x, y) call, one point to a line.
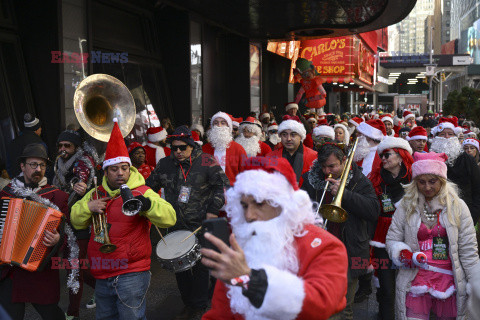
point(252, 125)
point(392, 142)
point(407, 115)
point(345, 132)
point(291, 105)
point(373, 129)
point(155, 134)
point(386, 117)
point(325, 131)
point(447, 123)
point(264, 115)
point(472, 142)
point(355, 121)
point(224, 116)
point(293, 125)
point(198, 127)
point(417, 133)
point(272, 126)
point(116, 149)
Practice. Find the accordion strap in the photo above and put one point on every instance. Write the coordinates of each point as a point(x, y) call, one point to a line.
point(47, 190)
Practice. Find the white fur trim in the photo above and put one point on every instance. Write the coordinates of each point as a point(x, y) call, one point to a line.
point(235, 124)
point(291, 106)
point(159, 136)
point(112, 161)
point(442, 126)
point(377, 244)
point(472, 142)
point(32, 123)
point(293, 125)
point(369, 131)
point(272, 128)
point(392, 142)
point(395, 250)
point(421, 290)
point(387, 118)
point(408, 117)
point(224, 116)
point(284, 296)
point(345, 130)
point(353, 122)
point(263, 115)
point(324, 130)
point(417, 138)
point(159, 151)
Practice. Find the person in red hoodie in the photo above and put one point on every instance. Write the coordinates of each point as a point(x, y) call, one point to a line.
point(122, 276)
point(280, 265)
point(137, 154)
point(299, 156)
point(229, 154)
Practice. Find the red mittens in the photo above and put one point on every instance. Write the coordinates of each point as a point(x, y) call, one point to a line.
point(406, 258)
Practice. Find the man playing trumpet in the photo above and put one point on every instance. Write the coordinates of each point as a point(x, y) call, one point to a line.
point(122, 272)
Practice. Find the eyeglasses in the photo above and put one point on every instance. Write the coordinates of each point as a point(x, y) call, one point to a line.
point(235, 129)
point(386, 155)
point(66, 145)
point(182, 147)
point(34, 165)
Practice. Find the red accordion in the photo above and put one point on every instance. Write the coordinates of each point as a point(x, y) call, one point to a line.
point(22, 230)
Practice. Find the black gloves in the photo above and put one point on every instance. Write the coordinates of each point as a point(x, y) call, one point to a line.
point(146, 203)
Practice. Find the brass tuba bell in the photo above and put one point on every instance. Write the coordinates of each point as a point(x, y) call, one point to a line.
point(98, 99)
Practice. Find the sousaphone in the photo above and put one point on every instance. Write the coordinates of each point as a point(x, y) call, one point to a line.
point(98, 99)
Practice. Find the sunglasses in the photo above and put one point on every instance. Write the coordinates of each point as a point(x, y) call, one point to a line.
point(386, 155)
point(183, 147)
point(66, 145)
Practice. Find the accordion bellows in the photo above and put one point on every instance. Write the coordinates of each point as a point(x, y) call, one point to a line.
point(22, 230)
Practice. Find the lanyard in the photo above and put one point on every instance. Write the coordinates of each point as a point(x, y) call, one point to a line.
point(186, 175)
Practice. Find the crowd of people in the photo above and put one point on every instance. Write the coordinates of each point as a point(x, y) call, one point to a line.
point(410, 187)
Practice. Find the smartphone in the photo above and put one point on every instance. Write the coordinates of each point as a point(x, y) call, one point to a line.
point(219, 228)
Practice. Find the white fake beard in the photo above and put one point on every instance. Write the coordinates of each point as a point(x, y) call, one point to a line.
point(451, 147)
point(251, 145)
point(274, 139)
point(351, 130)
point(363, 148)
point(271, 245)
point(219, 137)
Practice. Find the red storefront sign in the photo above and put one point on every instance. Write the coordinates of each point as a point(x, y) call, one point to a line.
point(364, 62)
point(331, 56)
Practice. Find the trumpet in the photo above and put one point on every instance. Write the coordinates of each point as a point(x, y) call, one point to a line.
point(334, 211)
point(100, 228)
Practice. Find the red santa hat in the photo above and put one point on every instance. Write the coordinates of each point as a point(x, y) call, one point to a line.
point(322, 122)
point(272, 126)
point(293, 125)
point(386, 117)
point(373, 129)
point(447, 123)
point(236, 122)
point(407, 115)
point(311, 118)
point(252, 121)
point(397, 121)
point(224, 116)
point(198, 127)
point(429, 163)
point(291, 105)
point(196, 138)
point(264, 115)
point(417, 133)
point(392, 142)
point(325, 131)
point(155, 134)
point(472, 142)
point(116, 149)
point(355, 121)
point(134, 145)
point(470, 134)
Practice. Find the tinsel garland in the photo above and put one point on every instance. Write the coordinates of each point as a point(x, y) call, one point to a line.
point(22, 192)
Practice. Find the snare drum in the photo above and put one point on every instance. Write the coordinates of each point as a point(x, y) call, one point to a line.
point(178, 256)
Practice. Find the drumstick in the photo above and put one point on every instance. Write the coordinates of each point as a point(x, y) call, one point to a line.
point(160, 234)
point(191, 234)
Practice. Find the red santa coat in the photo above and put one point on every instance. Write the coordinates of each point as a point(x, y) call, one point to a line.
point(317, 291)
point(154, 153)
point(308, 142)
point(234, 158)
point(264, 149)
point(308, 156)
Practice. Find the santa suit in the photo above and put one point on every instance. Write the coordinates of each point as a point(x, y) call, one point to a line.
point(313, 293)
point(154, 153)
point(264, 149)
point(308, 142)
point(371, 159)
point(308, 156)
point(230, 160)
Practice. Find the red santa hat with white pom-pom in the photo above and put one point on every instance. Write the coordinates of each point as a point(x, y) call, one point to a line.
point(116, 149)
point(155, 134)
point(472, 142)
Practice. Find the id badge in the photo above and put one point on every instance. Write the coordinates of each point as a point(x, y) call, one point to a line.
point(387, 204)
point(184, 194)
point(440, 248)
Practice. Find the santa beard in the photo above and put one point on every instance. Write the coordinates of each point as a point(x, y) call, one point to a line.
point(363, 148)
point(220, 137)
point(251, 145)
point(264, 243)
point(274, 139)
point(351, 130)
point(451, 147)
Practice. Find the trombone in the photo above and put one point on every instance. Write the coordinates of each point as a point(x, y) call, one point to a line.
point(334, 211)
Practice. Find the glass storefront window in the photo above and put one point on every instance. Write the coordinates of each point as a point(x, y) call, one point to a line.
point(196, 72)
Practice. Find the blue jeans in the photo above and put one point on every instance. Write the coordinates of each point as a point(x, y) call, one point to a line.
point(122, 297)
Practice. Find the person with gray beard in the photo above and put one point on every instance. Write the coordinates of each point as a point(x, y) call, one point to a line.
point(462, 169)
